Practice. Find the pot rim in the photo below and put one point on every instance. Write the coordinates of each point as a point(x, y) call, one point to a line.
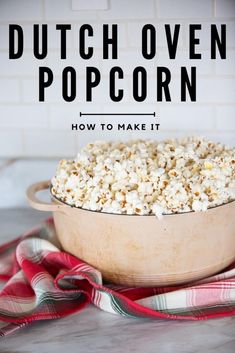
point(136, 215)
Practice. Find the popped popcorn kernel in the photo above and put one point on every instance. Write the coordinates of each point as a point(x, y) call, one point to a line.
point(148, 177)
point(208, 165)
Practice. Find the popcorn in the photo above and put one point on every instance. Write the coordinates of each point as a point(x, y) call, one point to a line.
point(148, 177)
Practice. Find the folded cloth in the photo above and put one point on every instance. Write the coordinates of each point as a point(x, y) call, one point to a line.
point(43, 282)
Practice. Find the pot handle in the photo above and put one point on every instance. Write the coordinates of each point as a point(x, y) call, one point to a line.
point(38, 204)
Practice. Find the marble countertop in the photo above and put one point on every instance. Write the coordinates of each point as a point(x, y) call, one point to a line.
point(92, 330)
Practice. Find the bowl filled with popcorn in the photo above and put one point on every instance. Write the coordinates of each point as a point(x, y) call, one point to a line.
point(146, 213)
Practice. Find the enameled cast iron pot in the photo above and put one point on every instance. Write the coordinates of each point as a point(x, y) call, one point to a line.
point(142, 250)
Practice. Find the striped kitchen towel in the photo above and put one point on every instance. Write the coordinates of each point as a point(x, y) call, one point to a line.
point(43, 282)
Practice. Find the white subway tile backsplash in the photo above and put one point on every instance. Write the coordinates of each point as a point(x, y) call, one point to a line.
point(128, 60)
point(15, 10)
point(53, 94)
point(30, 128)
point(4, 37)
point(186, 118)
point(62, 119)
point(130, 108)
point(9, 90)
point(230, 33)
point(89, 5)
point(30, 90)
point(131, 9)
point(216, 90)
point(205, 66)
point(73, 59)
point(225, 8)
point(225, 118)
point(61, 10)
point(27, 65)
point(49, 143)
point(226, 67)
point(11, 143)
point(184, 8)
point(23, 117)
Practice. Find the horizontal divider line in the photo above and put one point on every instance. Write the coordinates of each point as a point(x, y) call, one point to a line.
point(152, 114)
